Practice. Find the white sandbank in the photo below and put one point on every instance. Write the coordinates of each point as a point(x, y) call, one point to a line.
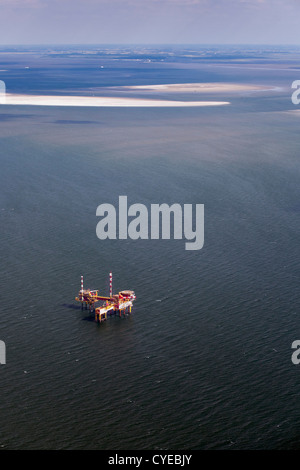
point(197, 87)
point(99, 101)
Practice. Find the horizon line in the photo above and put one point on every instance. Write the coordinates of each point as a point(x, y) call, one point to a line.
point(150, 44)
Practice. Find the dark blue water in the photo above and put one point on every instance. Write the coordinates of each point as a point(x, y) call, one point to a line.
point(204, 361)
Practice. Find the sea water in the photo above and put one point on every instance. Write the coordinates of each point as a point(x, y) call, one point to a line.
point(204, 360)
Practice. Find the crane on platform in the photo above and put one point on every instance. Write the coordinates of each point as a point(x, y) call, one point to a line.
point(120, 303)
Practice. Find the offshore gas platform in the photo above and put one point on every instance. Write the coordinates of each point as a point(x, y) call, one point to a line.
point(120, 303)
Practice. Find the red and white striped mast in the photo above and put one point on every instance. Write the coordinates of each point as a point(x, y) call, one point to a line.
point(110, 285)
point(81, 286)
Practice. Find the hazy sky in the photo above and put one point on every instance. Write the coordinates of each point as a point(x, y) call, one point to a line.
point(149, 21)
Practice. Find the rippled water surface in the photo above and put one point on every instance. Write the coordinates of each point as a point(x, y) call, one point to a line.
point(204, 360)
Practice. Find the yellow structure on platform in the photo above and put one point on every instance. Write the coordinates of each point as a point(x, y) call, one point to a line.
point(119, 303)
